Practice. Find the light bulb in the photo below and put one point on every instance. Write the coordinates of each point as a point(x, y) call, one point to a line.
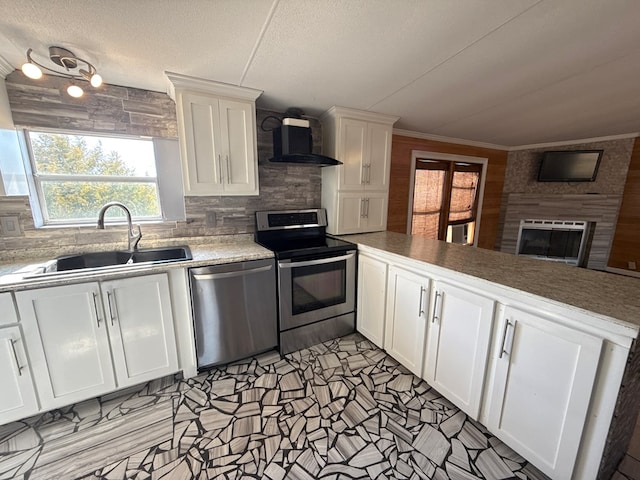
point(75, 91)
point(31, 70)
point(96, 80)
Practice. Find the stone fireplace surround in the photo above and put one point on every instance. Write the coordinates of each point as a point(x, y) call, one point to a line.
point(600, 210)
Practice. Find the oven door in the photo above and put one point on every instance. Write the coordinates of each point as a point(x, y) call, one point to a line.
point(313, 289)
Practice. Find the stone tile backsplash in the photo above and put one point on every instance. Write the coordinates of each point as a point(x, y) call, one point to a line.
point(124, 110)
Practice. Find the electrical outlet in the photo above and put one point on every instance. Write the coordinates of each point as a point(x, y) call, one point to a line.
point(10, 226)
point(632, 265)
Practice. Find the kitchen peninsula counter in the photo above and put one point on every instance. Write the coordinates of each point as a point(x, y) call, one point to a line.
point(614, 298)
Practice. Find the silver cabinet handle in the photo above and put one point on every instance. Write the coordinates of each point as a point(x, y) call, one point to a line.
point(368, 174)
point(228, 170)
point(95, 306)
point(213, 276)
point(219, 168)
point(420, 309)
point(367, 214)
point(504, 339)
point(315, 262)
point(15, 356)
point(362, 202)
point(112, 310)
point(435, 308)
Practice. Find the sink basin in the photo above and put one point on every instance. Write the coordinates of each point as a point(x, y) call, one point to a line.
point(115, 258)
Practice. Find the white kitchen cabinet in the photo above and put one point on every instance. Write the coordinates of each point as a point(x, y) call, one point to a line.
point(458, 339)
point(372, 295)
point(362, 142)
point(140, 325)
point(65, 334)
point(8, 313)
point(359, 212)
point(18, 398)
point(405, 321)
point(88, 339)
point(542, 385)
point(217, 130)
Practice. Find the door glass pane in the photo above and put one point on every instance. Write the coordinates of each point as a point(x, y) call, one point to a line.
point(427, 202)
point(463, 195)
point(318, 286)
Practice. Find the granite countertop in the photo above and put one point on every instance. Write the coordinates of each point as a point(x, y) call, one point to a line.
point(214, 252)
point(606, 294)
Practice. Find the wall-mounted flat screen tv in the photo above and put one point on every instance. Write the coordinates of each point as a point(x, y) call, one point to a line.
point(569, 166)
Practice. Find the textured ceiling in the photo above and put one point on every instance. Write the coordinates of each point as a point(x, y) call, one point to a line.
point(506, 72)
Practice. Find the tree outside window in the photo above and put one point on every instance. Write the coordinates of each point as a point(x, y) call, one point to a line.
point(75, 175)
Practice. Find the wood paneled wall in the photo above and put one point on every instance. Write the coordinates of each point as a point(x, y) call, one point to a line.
point(399, 188)
point(626, 242)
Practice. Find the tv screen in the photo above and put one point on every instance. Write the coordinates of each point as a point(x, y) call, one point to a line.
point(570, 166)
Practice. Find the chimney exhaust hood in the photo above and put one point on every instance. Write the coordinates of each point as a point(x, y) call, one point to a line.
point(293, 143)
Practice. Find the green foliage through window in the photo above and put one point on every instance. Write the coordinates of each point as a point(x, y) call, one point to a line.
point(76, 175)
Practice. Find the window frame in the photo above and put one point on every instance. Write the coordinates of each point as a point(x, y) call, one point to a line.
point(35, 179)
point(436, 157)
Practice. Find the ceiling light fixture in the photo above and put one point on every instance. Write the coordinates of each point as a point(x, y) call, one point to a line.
point(66, 59)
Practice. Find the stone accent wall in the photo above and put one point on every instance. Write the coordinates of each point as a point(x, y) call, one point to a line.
point(109, 109)
point(601, 210)
point(123, 110)
point(599, 201)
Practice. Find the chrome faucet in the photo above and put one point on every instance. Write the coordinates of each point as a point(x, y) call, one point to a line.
point(132, 236)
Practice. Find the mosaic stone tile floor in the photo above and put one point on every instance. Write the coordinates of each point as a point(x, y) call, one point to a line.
point(340, 410)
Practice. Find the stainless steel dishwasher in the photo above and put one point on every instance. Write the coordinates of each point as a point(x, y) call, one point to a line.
point(234, 310)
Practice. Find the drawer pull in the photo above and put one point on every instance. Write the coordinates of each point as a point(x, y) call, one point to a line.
point(112, 309)
point(435, 308)
point(504, 339)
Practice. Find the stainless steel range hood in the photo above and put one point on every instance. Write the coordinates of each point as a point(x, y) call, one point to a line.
point(293, 143)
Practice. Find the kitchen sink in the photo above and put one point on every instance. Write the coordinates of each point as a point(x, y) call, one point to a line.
point(70, 263)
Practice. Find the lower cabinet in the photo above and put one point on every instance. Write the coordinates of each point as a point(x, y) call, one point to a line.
point(458, 339)
point(372, 295)
point(18, 399)
point(407, 300)
point(361, 212)
point(542, 385)
point(88, 339)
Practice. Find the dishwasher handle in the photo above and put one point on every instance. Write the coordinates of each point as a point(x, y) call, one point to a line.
point(238, 273)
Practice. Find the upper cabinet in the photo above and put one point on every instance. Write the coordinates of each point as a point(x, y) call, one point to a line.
point(362, 142)
point(217, 129)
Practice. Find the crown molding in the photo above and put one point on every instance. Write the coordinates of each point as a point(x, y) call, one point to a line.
point(181, 82)
point(363, 115)
point(574, 142)
point(5, 67)
point(440, 138)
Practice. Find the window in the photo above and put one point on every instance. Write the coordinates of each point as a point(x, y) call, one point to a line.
point(75, 175)
point(445, 200)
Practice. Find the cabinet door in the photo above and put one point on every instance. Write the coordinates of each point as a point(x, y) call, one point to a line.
point(202, 149)
point(65, 334)
point(375, 212)
point(543, 382)
point(18, 399)
point(8, 313)
point(378, 156)
point(140, 324)
point(407, 296)
point(372, 295)
point(350, 213)
point(239, 164)
point(352, 137)
point(458, 345)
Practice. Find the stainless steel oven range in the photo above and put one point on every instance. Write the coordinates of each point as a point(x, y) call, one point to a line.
point(316, 277)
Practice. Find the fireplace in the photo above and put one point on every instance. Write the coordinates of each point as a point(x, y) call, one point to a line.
point(555, 240)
